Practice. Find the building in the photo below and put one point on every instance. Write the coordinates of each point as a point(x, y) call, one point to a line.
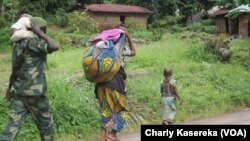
point(222, 23)
point(233, 22)
point(111, 15)
point(244, 25)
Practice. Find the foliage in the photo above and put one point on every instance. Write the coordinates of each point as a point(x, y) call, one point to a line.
point(200, 27)
point(5, 37)
point(166, 22)
point(173, 25)
point(241, 53)
point(134, 24)
point(187, 8)
point(73, 39)
point(158, 7)
point(9, 9)
point(61, 18)
point(215, 49)
point(143, 35)
point(163, 8)
point(3, 22)
point(231, 3)
point(36, 8)
point(80, 22)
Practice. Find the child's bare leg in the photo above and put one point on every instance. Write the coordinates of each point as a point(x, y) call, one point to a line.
point(103, 134)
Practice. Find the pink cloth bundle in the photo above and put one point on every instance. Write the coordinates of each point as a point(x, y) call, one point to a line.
point(111, 34)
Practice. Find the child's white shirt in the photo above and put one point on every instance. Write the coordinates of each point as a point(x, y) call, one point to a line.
point(22, 34)
point(21, 25)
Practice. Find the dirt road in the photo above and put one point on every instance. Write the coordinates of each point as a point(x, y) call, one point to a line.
point(241, 117)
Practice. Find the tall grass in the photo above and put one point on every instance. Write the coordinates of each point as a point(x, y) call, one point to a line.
point(206, 86)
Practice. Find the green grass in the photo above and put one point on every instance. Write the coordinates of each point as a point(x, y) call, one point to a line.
point(206, 86)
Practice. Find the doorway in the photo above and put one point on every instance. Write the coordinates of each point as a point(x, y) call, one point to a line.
point(122, 19)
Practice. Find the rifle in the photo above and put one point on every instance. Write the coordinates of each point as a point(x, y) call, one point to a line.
point(9, 93)
point(16, 73)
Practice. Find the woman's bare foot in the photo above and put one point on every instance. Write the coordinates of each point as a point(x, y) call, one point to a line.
point(103, 134)
point(112, 136)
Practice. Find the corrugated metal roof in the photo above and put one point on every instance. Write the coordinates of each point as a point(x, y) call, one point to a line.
point(117, 8)
point(234, 13)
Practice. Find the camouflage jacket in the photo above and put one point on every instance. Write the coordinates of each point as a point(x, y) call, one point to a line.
point(34, 54)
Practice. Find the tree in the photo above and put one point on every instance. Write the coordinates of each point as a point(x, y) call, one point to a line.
point(187, 8)
point(9, 9)
point(48, 7)
point(228, 4)
point(206, 4)
point(160, 8)
point(244, 1)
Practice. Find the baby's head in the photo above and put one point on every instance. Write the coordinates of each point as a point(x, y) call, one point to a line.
point(167, 72)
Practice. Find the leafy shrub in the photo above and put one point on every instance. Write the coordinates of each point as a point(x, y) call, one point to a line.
point(3, 22)
point(80, 22)
point(176, 28)
point(208, 22)
point(134, 24)
point(62, 39)
point(240, 53)
point(72, 39)
point(199, 27)
point(62, 19)
point(199, 54)
point(166, 22)
point(142, 34)
point(5, 37)
point(160, 26)
point(51, 20)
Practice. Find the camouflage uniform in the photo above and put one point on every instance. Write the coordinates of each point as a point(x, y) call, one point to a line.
point(30, 93)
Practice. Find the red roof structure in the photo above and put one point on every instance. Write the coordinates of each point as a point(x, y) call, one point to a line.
point(220, 12)
point(116, 8)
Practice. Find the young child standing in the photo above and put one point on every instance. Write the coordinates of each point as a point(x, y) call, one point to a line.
point(169, 94)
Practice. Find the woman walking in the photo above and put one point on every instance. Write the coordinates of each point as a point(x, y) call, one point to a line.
point(112, 95)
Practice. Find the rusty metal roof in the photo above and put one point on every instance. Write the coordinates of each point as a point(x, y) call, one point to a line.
point(220, 12)
point(116, 8)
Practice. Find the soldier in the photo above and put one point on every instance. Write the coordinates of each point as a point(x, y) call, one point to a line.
point(28, 84)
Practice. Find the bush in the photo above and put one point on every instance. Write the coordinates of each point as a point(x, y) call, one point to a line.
point(51, 20)
point(240, 53)
point(176, 28)
point(80, 22)
point(209, 22)
point(166, 22)
point(199, 27)
point(62, 39)
point(72, 39)
point(3, 22)
point(135, 25)
point(62, 19)
point(200, 54)
point(142, 34)
point(5, 37)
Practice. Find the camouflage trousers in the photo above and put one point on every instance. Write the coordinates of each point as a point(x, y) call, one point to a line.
point(39, 108)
